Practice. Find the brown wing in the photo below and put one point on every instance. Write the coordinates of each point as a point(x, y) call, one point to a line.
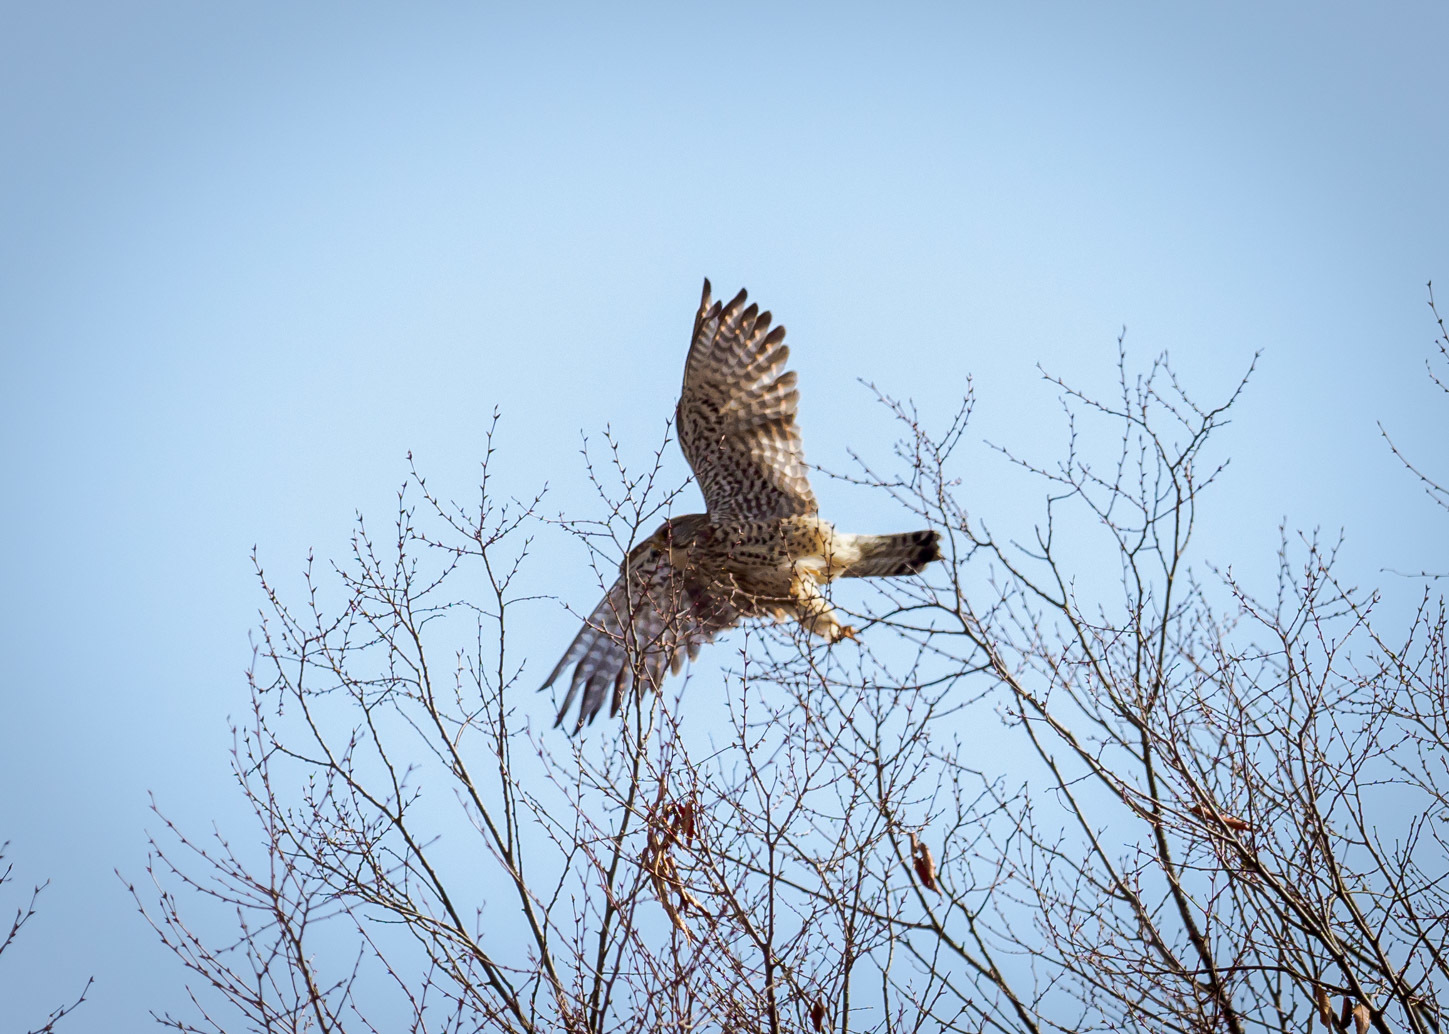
point(736, 415)
point(646, 623)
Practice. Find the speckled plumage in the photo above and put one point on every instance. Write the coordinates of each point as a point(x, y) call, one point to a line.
point(761, 550)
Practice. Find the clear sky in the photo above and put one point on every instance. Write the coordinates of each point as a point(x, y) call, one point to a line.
point(251, 254)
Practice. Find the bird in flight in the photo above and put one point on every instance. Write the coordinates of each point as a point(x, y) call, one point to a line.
point(761, 548)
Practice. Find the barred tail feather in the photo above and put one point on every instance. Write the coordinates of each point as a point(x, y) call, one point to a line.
point(884, 556)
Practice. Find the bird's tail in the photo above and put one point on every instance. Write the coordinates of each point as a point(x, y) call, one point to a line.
point(888, 555)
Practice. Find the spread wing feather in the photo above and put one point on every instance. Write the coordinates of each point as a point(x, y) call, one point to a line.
point(648, 621)
point(736, 415)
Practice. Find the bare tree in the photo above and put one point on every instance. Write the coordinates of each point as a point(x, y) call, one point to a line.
point(1253, 806)
point(23, 915)
point(1065, 781)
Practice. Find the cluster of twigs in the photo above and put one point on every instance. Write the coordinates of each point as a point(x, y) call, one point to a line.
point(23, 915)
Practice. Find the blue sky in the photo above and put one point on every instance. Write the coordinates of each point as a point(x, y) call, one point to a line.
point(250, 255)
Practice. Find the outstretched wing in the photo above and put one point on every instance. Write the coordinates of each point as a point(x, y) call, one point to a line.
point(647, 622)
point(736, 415)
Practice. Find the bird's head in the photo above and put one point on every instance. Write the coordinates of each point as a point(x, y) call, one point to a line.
point(673, 536)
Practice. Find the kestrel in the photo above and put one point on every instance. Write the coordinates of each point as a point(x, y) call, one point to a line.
point(760, 550)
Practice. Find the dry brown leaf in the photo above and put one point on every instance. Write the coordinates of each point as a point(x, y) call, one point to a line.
point(1325, 1005)
point(1234, 823)
point(1346, 1014)
point(925, 864)
point(684, 820)
point(664, 874)
point(817, 1015)
point(1361, 1018)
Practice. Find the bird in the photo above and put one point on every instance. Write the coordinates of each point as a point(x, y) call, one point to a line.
point(760, 549)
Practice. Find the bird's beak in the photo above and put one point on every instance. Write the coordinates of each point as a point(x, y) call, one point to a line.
point(636, 555)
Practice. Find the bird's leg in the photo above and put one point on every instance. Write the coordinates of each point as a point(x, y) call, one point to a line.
point(816, 615)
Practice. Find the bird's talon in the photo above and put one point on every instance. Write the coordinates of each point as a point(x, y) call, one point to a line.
point(844, 632)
